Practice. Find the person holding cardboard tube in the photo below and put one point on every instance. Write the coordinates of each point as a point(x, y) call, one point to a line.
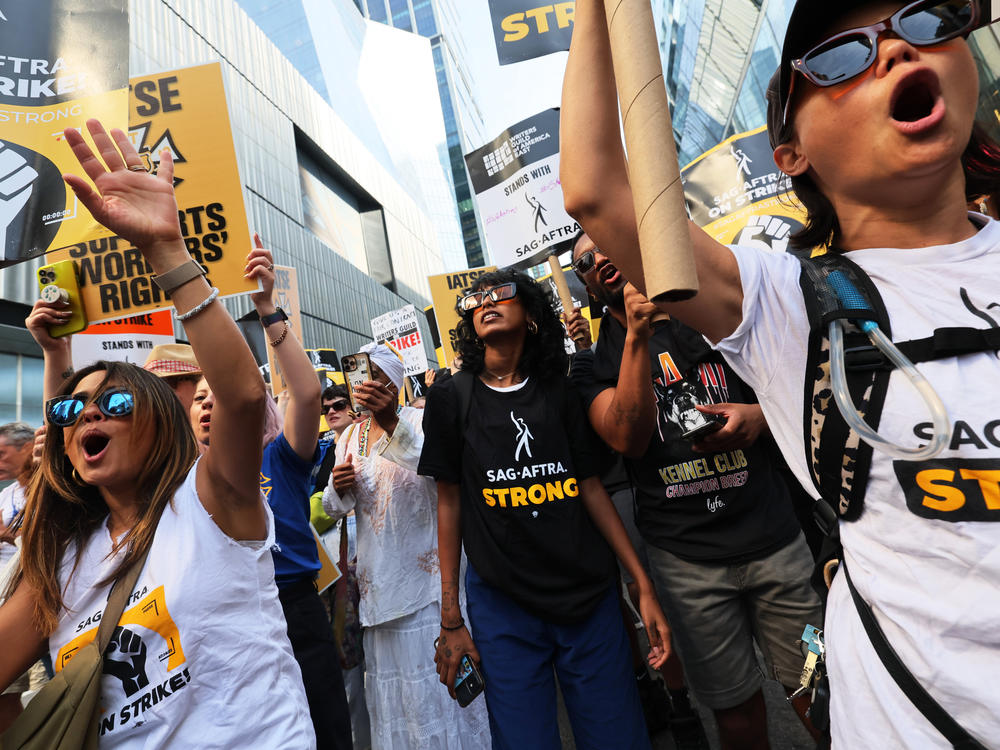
point(725, 551)
point(122, 480)
point(872, 115)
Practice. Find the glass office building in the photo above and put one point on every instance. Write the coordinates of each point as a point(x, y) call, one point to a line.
point(718, 56)
point(437, 20)
point(328, 192)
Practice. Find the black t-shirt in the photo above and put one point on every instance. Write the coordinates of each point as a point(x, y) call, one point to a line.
point(722, 507)
point(525, 528)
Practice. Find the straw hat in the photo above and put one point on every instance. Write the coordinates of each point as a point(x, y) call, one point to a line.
point(172, 359)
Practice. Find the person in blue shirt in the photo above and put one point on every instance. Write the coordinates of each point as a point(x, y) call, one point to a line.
point(290, 454)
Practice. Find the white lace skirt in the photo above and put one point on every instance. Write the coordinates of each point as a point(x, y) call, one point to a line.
point(409, 707)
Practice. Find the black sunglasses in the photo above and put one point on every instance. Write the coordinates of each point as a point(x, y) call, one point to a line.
point(339, 405)
point(850, 53)
point(499, 293)
point(585, 263)
point(62, 411)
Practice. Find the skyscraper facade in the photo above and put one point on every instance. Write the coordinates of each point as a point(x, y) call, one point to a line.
point(438, 21)
point(331, 194)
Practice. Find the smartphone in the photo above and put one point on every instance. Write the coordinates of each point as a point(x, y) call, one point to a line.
point(712, 423)
point(469, 681)
point(58, 281)
point(357, 369)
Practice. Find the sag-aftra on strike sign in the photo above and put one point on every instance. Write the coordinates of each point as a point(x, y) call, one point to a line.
point(524, 29)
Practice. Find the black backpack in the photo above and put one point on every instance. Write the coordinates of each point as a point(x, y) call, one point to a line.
point(839, 461)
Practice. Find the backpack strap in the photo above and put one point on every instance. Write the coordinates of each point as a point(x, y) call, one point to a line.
point(464, 383)
point(919, 697)
point(838, 460)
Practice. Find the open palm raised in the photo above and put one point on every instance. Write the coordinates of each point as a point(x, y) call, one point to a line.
point(135, 205)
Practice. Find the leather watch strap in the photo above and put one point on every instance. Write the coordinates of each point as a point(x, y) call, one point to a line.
point(276, 317)
point(178, 275)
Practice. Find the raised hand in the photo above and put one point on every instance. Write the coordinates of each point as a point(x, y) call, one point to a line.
point(260, 267)
point(135, 205)
point(44, 315)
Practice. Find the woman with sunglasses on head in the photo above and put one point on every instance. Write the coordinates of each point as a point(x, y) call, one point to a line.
point(201, 644)
point(517, 473)
point(395, 513)
point(872, 115)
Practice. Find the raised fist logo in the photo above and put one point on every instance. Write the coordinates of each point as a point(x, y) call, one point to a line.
point(32, 202)
point(17, 178)
point(126, 660)
point(766, 233)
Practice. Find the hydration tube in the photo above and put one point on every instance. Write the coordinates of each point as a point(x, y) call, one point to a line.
point(850, 298)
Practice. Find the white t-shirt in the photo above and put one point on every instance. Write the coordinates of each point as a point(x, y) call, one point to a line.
point(11, 503)
point(202, 658)
point(932, 583)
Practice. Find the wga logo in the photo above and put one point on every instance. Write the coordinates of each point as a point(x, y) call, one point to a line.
point(523, 436)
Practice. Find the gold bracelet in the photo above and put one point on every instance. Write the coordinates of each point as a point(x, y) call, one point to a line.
point(281, 337)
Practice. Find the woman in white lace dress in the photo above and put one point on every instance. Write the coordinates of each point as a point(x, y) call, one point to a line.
point(398, 573)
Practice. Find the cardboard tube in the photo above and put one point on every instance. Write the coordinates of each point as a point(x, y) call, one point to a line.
point(657, 193)
point(559, 278)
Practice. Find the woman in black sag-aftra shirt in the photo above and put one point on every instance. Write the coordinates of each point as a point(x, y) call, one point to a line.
point(517, 483)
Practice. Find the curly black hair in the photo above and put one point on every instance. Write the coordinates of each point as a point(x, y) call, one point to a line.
point(544, 355)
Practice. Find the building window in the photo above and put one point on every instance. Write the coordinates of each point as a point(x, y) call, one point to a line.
point(423, 12)
point(376, 10)
point(20, 389)
point(401, 14)
point(343, 215)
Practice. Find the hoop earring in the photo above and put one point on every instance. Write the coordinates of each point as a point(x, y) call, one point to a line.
point(76, 478)
point(532, 327)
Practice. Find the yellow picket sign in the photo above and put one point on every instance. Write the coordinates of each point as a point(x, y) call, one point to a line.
point(183, 111)
point(446, 290)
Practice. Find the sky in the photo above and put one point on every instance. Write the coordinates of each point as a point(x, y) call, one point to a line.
point(506, 94)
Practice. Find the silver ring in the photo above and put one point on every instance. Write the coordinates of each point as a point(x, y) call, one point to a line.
point(270, 267)
point(137, 168)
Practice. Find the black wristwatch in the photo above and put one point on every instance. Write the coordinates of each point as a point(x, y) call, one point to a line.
point(276, 317)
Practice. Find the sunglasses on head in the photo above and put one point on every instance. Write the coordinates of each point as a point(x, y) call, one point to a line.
point(585, 263)
point(499, 293)
point(850, 53)
point(339, 405)
point(62, 411)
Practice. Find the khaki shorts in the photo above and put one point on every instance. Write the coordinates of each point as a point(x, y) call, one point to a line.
point(718, 612)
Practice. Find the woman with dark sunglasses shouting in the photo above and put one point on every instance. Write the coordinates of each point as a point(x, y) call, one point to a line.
point(518, 485)
point(121, 481)
point(871, 114)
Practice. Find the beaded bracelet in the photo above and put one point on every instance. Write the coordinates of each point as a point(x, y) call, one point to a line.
point(461, 624)
point(195, 310)
point(280, 338)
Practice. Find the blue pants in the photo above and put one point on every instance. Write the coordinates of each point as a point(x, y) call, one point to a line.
point(592, 659)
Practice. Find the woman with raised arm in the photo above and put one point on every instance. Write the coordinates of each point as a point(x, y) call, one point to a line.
point(518, 485)
point(872, 115)
point(201, 645)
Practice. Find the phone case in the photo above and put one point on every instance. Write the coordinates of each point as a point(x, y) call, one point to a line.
point(469, 682)
point(357, 369)
point(706, 429)
point(62, 276)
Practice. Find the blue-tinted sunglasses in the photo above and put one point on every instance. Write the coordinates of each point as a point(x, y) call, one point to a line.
point(62, 411)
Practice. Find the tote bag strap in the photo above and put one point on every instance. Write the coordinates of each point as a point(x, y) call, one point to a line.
point(120, 593)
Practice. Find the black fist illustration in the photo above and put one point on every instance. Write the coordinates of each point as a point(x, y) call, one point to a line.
point(126, 660)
